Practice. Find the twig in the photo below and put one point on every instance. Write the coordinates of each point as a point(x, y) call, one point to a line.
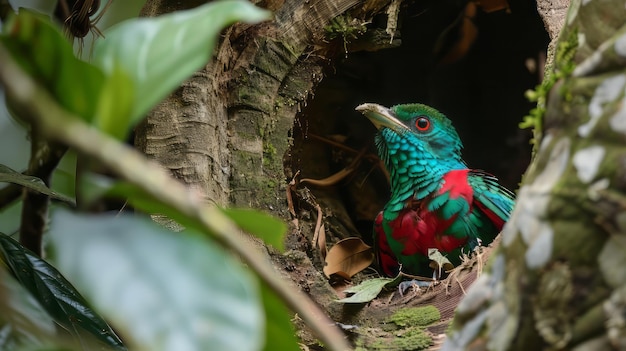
point(131, 165)
point(371, 157)
point(34, 219)
point(45, 157)
point(319, 234)
point(335, 178)
point(344, 172)
point(291, 187)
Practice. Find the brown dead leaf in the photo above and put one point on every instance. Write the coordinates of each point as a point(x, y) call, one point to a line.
point(348, 257)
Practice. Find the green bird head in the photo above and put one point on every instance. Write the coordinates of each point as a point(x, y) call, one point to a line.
point(418, 145)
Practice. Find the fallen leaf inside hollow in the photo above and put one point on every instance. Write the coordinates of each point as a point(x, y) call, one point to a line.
point(438, 261)
point(367, 290)
point(348, 257)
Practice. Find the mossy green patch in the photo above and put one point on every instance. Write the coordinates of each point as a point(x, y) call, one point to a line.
point(415, 316)
point(408, 340)
point(287, 101)
point(345, 27)
point(254, 178)
point(269, 151)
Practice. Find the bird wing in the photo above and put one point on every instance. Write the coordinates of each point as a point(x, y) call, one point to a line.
point(470, 206)
point(453, 203)
point(465, 197)
point(494, 200)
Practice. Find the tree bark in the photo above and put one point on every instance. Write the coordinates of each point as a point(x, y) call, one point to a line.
point(557, 281)
point(186, 132)
point(226, 129)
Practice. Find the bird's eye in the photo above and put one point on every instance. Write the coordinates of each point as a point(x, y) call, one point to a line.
point(422, 124)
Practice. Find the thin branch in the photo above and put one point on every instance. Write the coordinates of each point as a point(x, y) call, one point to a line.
point(371, 157)
point(129, 164)
point(44, 159)
point(337, 177)
point(34, 219)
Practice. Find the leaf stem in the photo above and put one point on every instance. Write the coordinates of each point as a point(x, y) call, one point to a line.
point(58, 124)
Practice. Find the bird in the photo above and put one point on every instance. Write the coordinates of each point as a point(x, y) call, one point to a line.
point(436, 201)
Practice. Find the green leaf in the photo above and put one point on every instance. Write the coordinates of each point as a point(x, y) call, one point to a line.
point(115, 104)
point(23, 321)
point(57, 296)
point(268, 228)
point(159, 53)
point(279, 332)
point(164, 290)
point(47, 56)
point(366, 291)
point(8, 175)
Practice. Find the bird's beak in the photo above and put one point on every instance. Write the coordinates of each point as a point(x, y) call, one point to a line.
point(382, 117)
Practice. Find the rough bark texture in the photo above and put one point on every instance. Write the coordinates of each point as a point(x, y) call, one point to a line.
point(557, 283)
point(553, 13)
point(228, 126)
point(186, 132)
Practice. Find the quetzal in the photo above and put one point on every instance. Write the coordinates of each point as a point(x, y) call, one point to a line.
point(436, 201)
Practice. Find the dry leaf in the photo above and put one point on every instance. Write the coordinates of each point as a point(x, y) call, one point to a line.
point(348, 257)
point(367, 291)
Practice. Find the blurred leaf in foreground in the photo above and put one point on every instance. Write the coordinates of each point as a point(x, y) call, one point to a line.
point(163, 290)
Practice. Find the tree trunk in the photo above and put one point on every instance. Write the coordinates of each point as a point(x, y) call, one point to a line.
point(557, 282)
point(226, 129)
